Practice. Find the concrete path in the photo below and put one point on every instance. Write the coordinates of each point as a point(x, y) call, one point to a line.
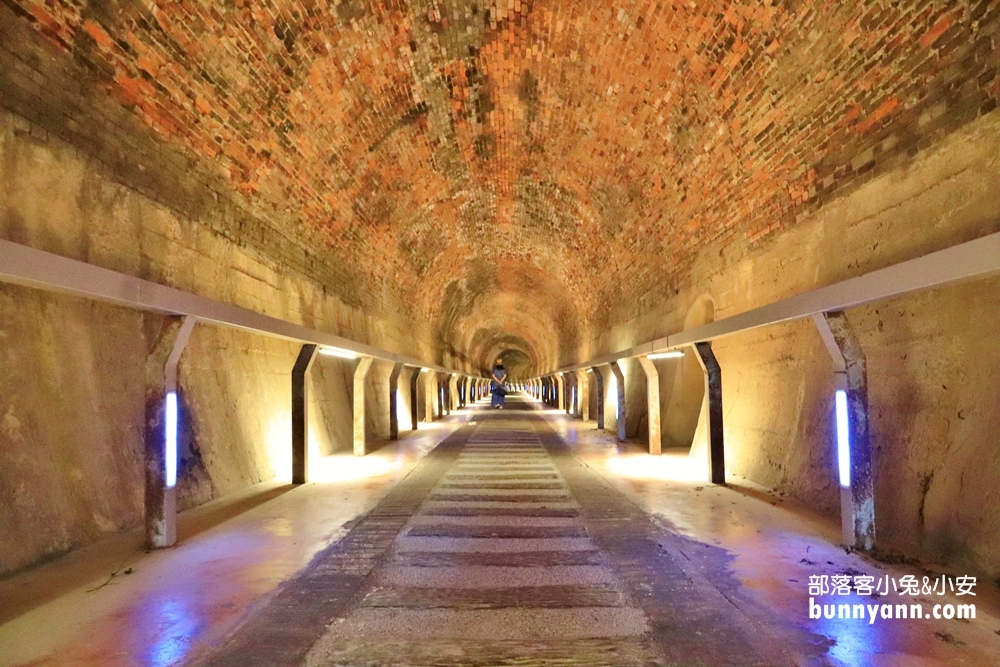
point(502, 548)
point(523, 537)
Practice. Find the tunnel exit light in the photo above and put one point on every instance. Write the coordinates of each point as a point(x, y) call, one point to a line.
point(843, 440)
point(170, 440)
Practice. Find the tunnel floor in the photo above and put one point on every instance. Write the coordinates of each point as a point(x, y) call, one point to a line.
point(514, 537)
point(502, 548)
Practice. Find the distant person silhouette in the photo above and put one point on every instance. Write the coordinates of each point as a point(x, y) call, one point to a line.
point(498, 385)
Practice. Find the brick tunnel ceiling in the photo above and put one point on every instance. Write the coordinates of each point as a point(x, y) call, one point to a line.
point(519, 171)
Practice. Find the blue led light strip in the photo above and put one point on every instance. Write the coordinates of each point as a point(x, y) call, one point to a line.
point(843, 440)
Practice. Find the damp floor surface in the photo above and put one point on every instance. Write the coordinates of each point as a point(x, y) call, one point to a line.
point(514, 537)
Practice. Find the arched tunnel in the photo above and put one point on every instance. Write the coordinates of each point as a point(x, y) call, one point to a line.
point(499, 332)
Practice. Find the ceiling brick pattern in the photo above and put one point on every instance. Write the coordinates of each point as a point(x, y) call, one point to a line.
point(521, 170)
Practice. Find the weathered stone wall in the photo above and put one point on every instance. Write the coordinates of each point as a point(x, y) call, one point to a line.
point(414, 158)
point(72, 380)
point(396, 175)
point(72, 391)
point(932, 356)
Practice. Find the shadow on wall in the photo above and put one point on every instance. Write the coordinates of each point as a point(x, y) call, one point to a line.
point(682, 391)
point(331, 409)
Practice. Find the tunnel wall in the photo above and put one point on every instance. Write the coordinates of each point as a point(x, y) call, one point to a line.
point(71, 439)
point(71, 456)
point(932, 355)
point(71, 442)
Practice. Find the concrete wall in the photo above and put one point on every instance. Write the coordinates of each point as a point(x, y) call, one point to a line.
point(71, 419)
point(72, 377)
point(777, 392)
point(932, 356)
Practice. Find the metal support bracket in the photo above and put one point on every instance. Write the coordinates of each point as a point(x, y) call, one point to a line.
point(583, 395)
point(652, 404)
point(394, 401)
point(620, 387)
point(599, 388)
point(360, 373)
point(300, 413)
point(857, 499)
point(431, 395)
point(414, 378)
point(713, 393)
point(162, 425)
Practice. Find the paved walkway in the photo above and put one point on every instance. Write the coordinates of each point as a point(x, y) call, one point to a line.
point(523, 537)
point(502, 548)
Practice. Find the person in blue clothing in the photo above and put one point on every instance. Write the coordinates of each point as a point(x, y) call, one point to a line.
point(498, 385)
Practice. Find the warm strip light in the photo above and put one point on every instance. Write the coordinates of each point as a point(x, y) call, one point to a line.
point(671, 354)
point(170, 440)
point(425, 370)
point(843, 440)
point(337, 352)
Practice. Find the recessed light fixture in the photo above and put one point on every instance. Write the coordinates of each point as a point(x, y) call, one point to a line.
point(170, 437)
point(843, 439)
point(670, 354)
point(338, 352)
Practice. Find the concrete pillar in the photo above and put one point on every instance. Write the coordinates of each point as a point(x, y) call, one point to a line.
point(360, 373)
point(853, 380)
point(453, 399)
point(397, 368)
point(430, 395)
point(652, 404)
point(560, 391)
point(569, 395)
point(599, 389)
point(162, 425)
point(414, 379)
point(300, 414)
point(620, 387)
point(713, 397)
point(440, 392)
point(583, 394)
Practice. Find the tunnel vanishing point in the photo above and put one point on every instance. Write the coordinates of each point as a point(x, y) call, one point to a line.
point(258, 260)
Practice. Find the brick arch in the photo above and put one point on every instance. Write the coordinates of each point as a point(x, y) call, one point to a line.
point(604, 144)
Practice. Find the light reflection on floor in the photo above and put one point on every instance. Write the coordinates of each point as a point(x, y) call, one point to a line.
point(178, 625)
point(183, 599)
point(777, 544)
